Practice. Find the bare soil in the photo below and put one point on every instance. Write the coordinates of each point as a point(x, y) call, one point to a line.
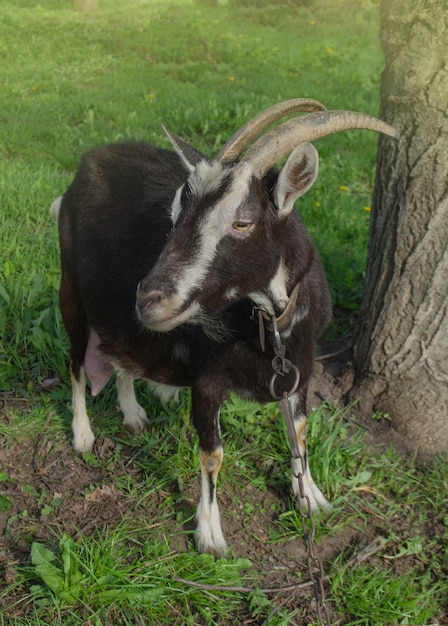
point(89, 499)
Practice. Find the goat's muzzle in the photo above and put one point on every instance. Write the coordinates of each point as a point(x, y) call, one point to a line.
point(148, 303)
point(162, 313)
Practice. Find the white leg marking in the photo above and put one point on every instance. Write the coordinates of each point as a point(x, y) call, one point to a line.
point(209, 537)
point(164, 392)
point(135, 419)
point(317, 499)
point(83, 436)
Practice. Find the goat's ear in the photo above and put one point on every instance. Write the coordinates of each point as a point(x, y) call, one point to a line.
point(189, 155)
point(297, 176)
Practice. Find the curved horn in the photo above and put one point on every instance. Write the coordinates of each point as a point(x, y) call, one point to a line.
point(280, 141)
point(254, 127)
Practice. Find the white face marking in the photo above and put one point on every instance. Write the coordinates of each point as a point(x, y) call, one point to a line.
point(278, 295)
point(168, 319)
point(208, 229)
point(217, 222)
point(278, 287)
point(206, 178)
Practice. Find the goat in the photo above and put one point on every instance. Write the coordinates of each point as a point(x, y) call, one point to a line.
point(164, 256)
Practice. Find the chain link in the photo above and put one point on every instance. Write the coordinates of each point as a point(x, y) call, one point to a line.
point(282, 366)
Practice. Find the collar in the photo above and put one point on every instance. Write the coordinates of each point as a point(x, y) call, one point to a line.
point(286, 317)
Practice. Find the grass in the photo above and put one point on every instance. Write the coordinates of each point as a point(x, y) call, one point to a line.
point(138, 565)
point(69, 82)
point(103, 571)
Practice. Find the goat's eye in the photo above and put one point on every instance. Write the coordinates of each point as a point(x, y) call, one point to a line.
point(242, 226)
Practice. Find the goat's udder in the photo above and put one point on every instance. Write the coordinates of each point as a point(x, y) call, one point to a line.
point(98, 367)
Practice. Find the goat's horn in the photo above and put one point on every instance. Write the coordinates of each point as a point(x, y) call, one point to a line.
point(280, 141)
point(243, 137)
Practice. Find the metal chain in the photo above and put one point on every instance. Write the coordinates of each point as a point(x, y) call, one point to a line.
point(281, 366)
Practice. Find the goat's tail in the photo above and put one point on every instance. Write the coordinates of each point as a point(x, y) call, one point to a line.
point(55, 208)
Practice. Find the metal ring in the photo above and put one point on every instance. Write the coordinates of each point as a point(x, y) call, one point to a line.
point(293, 388)
point(280, 365)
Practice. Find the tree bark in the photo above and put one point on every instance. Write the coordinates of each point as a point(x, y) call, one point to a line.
point(401, 351)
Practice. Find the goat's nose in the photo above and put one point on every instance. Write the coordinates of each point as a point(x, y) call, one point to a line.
point(149, 299)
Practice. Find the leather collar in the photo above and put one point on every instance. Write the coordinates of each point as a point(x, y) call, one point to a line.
point(285, 318)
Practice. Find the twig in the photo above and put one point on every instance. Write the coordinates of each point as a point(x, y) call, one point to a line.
point(372, 548)
point(308, 583)
point(277, 608)
point(58, 458)
point(329, 355)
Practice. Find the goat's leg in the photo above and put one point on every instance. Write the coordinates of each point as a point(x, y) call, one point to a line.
point(83, 436)
point(209, 537)
point(316, 497)
point(135, 419)
point(75, 322)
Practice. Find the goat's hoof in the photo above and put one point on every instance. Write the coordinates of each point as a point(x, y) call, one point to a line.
point(83, 442)
point(317, 500)
point(137, 422)
point(217, 547)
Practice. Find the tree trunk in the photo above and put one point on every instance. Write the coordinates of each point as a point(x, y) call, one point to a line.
point(401, 352)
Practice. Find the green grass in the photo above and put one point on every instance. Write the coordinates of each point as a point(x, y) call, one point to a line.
point(138, 566)
point(104, 571)
point(69, 82)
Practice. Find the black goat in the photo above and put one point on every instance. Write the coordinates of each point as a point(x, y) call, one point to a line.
point(164, 257)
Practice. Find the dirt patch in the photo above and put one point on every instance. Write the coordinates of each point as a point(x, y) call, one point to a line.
point(51, 490)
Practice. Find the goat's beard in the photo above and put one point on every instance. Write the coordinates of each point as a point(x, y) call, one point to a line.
point(213, 326)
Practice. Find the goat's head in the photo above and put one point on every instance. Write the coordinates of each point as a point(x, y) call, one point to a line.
point(230, 216)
